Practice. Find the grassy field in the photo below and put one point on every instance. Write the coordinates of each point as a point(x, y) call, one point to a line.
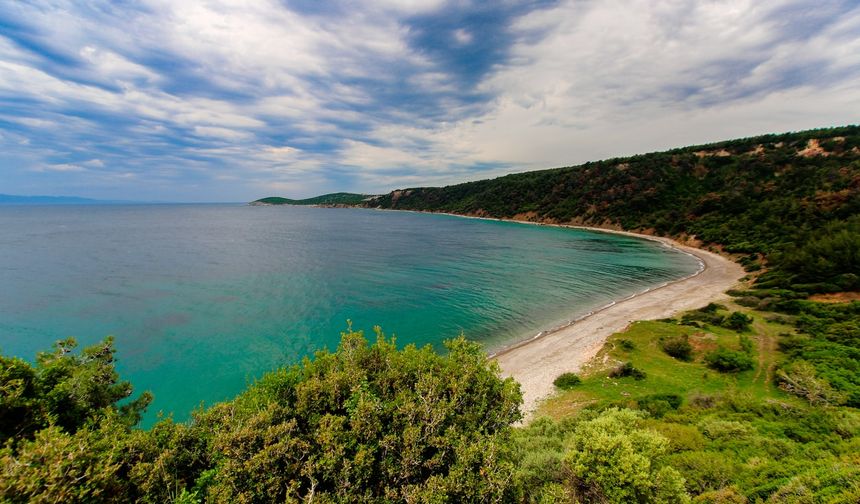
point(667, 375)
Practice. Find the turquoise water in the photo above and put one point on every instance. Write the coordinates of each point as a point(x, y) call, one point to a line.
point(204, 298)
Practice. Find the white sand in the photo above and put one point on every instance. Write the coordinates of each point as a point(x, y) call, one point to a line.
point(537, 362)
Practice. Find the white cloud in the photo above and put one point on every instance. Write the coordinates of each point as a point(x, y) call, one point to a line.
point(225, 133)
point(462, 37)
point(61, 167)
point(115, 68)
point(613, 78)
point(249, 87)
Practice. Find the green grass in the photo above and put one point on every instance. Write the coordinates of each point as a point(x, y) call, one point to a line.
point(667, 375)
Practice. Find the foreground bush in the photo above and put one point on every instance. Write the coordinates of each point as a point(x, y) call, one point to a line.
point(65, 388)
point(367, 423)
point(60, 467)
point(608, 457)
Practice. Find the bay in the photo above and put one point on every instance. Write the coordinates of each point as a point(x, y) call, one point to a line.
point(202, 299)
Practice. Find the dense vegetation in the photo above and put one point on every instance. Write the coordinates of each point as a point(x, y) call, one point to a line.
point(371, 423)
point(333, 199)
point(734, 435)
point(823, 356)
point(787, 202)
point(367, 423)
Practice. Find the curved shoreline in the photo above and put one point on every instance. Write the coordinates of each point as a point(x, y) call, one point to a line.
point(702, 267)
point(537, 361)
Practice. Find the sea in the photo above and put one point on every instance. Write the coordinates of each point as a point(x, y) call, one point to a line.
point(204, 299)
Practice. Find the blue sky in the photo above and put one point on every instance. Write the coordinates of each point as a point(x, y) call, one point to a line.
point(229, 100)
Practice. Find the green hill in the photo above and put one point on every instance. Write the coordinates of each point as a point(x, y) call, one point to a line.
point(341, 198)
point(788, 202)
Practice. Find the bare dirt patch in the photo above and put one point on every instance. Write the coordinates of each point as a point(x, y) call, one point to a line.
point(813, 148)
point(836, 297)
point(719, 153)
point(703, 343)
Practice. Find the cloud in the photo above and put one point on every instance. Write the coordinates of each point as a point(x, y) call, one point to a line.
point(594, 80)
point(225, 133)
point(224, 99)
point(61, 167)
point(462, 36)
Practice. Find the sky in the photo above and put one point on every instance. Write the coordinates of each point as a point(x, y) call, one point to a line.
point(233, 100)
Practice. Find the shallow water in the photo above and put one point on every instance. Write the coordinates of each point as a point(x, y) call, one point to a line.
point(204, 298)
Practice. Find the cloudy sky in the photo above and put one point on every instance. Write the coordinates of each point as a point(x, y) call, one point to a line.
point(231, 100)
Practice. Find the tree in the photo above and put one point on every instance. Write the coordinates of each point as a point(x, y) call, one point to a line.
point(65, 389)
point(613, 459)
point(799, 378)
point(369, 423)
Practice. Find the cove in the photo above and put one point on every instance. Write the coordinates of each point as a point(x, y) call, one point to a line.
point(202, 299)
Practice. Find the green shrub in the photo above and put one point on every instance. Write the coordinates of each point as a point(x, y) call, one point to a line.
point(704, 470)
point(717, 428)
point(726, 495)
point(679, 347)
point(369, 423)
point(627, 370)
point(729, 361)
point(57, 466)
point(748, 301)
point(657, 405)
point(567, 381)
point(613, 459)
point(738, 321)
point(747, 344)
point(707, 317)
point(626, 345)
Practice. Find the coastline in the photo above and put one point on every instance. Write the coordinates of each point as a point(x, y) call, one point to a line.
point(537, 361)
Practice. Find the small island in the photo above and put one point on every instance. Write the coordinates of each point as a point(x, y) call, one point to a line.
point(333, 200)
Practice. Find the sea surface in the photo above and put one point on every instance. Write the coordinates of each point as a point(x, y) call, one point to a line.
point(202, 299)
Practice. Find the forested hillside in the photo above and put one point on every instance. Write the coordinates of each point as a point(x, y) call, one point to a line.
point(788, 202)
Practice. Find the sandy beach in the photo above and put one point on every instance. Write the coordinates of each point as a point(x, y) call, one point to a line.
point(537, 362)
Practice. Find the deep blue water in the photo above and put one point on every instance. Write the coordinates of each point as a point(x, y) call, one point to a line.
point(204, 298)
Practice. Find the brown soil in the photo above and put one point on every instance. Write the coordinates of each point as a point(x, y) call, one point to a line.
point(813, 148)
point(719, 153)
point(702, 343)
point(836, 297)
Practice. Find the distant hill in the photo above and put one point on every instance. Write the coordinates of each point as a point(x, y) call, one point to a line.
point(9, 199)
point(788, 202)
point(333, 199)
